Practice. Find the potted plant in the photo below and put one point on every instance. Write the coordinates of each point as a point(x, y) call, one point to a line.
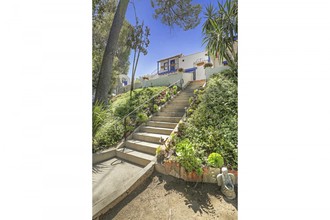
point(200, 63)
point(206, 65)
point(215, 160)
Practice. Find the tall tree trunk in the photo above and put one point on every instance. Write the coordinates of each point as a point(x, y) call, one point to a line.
point(135, 63)
point(104, 82)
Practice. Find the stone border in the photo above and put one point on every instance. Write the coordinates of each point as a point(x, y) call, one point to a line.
point(173, 168)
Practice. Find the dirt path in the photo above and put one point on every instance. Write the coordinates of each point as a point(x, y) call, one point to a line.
point(166, 197)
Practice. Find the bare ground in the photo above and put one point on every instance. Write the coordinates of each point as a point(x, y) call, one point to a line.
point(165, 197)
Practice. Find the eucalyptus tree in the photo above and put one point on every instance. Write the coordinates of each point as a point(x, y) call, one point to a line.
point(171, 12)
point(221, 33)
point(103, 15)
point(139, 41)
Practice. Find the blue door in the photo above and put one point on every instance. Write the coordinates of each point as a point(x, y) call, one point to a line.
point(172, 64)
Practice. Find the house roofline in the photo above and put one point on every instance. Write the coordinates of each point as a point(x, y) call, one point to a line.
point(176, 56)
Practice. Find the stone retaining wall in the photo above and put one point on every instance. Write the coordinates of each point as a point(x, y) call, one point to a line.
point(173, 168)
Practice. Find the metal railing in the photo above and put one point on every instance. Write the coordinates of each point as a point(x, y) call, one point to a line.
point(152, 99)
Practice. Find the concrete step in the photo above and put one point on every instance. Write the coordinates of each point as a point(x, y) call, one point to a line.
point(173, 109)
point(134, 156)
point(166, 119)
point(156, 130)
point(180, 100)
point(150, 137)
point(162, 124)
point(184, 96)
point(170, 114)
point(142, 146)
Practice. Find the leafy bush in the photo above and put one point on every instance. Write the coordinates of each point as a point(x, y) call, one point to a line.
point(191, 99)
point(212, 127)
point(108, 135)
point(215, 160)
point(168, 96)
point(156, 108)
point(190, 111)
point(186, 156)
point(99, 113)
point(162, 101)
point(141, 117)
point(175, 90)
point(106, 131)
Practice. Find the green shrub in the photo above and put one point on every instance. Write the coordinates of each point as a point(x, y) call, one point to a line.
point(105, 133)
point(108, 135)
point(191, 99)
point(168, 96)
point(175, 90)
point(186, 156)
point(141, 117)
point(190, 111)
point(99, 113)
point(215, 160)
point(156, 108)
point(162, 101)
point(212, 127)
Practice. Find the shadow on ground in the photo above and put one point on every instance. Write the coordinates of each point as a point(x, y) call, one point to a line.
point(196, 195)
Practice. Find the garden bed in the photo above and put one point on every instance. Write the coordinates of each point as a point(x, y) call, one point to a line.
point(174, 169)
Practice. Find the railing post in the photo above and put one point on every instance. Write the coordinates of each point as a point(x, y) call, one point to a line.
point(152, 105)
point(125, 136)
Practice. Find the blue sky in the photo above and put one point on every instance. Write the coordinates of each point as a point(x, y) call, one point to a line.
point(164, 42)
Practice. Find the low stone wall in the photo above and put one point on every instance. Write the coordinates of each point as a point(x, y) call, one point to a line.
point(173, 168)
point(104, 155)
point(210, 71)
point(167, 80)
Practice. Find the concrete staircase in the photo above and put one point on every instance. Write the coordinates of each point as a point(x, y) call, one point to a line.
point(117, 172)
point(141, 149)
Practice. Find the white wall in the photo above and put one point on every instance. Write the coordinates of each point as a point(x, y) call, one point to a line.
point(187, 77)
point(200, 73)
point(210, 71)
point(168, 80)
point(187, 62)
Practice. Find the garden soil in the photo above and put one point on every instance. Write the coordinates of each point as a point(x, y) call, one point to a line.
point(166, 197)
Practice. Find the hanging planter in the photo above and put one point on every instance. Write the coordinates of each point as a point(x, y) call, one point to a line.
point(200, 63)
point(208, 65)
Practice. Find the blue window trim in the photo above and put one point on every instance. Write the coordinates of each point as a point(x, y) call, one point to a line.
point(169, 71)
point(190, 70)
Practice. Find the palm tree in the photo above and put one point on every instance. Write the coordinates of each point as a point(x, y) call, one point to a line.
point(220, 33)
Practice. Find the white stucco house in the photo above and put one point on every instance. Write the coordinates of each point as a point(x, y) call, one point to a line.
point(193, 63)
point(197, 66)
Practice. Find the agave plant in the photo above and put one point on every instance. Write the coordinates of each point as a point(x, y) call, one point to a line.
point(220, 32)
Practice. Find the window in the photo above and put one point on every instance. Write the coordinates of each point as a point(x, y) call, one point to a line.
point(166, 66)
